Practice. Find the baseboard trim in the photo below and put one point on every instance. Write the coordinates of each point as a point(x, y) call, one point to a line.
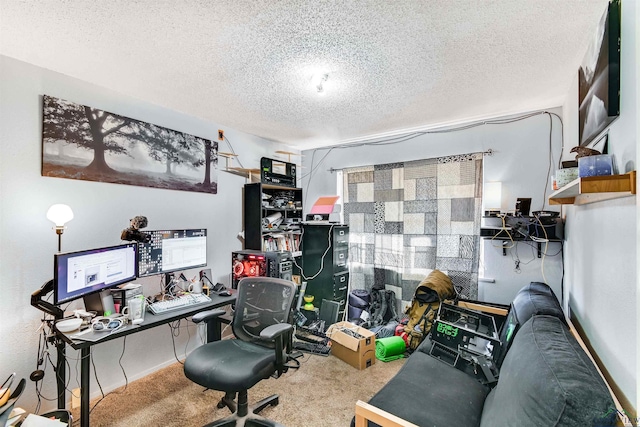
point(96, 393)
point(623, 405)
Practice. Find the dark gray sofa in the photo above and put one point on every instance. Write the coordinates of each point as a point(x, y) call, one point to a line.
point(546, 379)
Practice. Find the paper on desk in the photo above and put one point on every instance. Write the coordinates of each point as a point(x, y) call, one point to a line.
point(324, 205)
point(33, 420)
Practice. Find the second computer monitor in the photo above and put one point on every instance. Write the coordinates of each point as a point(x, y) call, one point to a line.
point(172, 250)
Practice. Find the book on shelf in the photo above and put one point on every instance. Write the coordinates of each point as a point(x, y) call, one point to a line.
point(281, 242)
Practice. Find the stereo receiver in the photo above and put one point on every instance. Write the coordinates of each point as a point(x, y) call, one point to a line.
point(277, 172)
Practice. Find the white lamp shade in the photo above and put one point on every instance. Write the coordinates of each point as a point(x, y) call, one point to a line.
point(59, 214)
point(492, 195)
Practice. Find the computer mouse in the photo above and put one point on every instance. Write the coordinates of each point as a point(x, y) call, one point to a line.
point(224, 293)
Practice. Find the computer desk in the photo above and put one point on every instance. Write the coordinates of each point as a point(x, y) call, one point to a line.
point(150, 321)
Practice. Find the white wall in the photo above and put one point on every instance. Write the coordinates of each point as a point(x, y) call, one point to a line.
point(520, 160)
point(601, 251)
point(102, 211)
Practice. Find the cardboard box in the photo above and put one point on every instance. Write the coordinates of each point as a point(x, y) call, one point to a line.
point(358, 351)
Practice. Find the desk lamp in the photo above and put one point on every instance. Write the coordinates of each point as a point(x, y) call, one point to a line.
point(492, 198)
point(59, 214)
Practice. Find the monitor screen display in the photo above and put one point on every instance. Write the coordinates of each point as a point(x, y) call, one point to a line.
point(77, 274)
point(172, 250)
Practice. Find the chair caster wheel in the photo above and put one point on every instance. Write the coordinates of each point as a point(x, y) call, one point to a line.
point(275, 402)
point(220, 405)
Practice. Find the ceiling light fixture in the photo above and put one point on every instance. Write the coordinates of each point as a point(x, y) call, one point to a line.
point(318, 81)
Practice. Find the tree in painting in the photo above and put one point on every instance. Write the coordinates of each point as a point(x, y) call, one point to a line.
point(86, 143)
point(84, 127)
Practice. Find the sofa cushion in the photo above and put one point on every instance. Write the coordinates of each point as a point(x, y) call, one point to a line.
point(536, 298)
point(547, 380)
point(533, 299)
point(428, 392)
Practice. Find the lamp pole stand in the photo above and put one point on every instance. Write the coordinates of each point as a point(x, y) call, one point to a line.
point(59, 231)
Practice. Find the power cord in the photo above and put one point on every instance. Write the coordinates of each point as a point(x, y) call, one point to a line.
point(329, 234)
point(233, 151)
point(175, 328)
point(505, 229)
point(403, 138)
point(43, 358)
point(175, 332)
point(95, 373)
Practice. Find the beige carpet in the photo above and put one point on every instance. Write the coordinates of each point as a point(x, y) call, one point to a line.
point(323, 392)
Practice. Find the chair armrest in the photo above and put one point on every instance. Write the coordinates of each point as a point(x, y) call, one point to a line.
point(271, 332)
point(366, 412)
point(205, 316)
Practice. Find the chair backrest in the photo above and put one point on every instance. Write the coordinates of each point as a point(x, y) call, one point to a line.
point(261, 302)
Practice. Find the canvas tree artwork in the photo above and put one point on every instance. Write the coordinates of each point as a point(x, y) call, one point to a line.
point(81, 142)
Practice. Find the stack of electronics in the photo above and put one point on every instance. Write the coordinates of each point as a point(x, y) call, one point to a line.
point(311, 324)
point(466, 339)
point(310, 340)
point(277, 172)
point(546, 225)
point(543, 225)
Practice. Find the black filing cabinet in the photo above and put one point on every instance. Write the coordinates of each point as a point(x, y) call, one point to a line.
point(330, 278)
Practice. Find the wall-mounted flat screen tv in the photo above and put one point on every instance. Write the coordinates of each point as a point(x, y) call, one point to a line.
point(599, 78)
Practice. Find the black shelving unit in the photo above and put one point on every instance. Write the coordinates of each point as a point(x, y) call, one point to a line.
point(327, 271)
point(260, 202)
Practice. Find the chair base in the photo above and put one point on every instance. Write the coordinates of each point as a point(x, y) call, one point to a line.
point(251, 417)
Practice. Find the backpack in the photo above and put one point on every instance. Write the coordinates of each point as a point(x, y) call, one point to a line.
point(382, 307)
point(434, 289)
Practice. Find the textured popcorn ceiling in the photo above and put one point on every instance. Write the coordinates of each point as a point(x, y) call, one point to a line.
point(393, 65)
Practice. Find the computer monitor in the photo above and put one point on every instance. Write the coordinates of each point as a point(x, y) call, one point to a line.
point(82, 273)
point(172, 250)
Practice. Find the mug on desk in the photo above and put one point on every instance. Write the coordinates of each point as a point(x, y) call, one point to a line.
point(135, 308)
point(196, 287)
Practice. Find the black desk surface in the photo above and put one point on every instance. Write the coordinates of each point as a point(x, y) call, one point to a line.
point(88, 339)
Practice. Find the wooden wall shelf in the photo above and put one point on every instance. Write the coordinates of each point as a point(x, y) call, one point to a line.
point(593, 189)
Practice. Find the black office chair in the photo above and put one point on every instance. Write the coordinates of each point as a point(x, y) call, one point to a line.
point(260, 349)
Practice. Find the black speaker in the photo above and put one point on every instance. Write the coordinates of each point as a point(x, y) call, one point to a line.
point(523, 206)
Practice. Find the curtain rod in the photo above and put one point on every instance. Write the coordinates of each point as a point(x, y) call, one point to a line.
point(488, 152)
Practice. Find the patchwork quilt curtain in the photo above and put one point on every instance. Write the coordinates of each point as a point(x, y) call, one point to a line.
point(406, 219)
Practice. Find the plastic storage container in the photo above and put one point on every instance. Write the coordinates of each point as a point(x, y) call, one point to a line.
point(565, 176)
point(601, 164)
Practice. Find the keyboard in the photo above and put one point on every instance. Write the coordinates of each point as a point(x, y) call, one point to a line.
point(310, 337)
point(317, 348)
point(177, 303)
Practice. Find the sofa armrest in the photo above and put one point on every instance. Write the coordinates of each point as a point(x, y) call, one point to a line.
point(366, 412)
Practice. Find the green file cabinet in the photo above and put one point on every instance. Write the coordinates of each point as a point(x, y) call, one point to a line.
point(330, 278)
